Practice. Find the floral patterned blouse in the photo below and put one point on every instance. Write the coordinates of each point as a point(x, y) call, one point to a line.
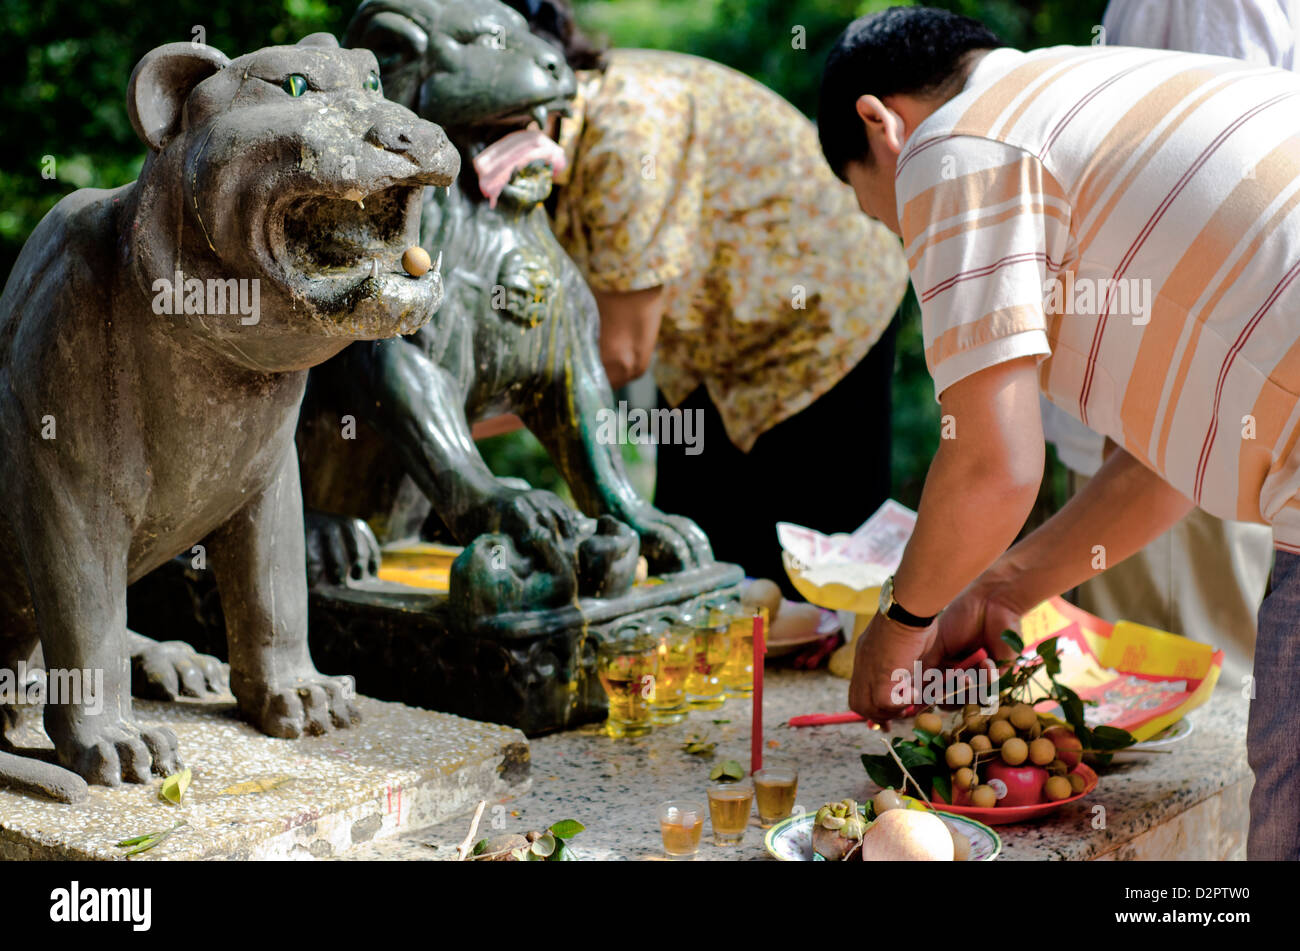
point(687, 174)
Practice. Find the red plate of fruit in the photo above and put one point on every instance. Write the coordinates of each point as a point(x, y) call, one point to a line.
point(1002, 760)
point(1024, 812)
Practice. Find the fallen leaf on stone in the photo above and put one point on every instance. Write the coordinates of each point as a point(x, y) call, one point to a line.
point(143, 843)
point(729, 771)
point(173, 787)
point(257, 786)
point(698, 746)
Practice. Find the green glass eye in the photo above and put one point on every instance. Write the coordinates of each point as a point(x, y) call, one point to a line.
point(295, 84)
point(372, 81)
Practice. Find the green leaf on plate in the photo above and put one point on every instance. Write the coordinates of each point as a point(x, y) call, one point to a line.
point(1111, 738)
point(882, 769)
point(914, 756)
point(925, 736)
point(943, 786)
point(174, 786)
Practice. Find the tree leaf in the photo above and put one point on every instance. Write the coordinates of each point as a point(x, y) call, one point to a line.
point(727, 771)
point(925, 736)
point(914, 756)
point(567, 828)
point(1051, 657)
point(882, 769)
point(1012, 640)
point(943, 786)
point(143, 843)
point(174, 786)
point(1111, 738)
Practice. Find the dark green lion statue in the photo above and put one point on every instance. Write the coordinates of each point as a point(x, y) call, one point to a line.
point(517, 332)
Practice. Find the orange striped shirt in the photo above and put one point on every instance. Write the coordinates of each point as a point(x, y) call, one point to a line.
point(1132, 218)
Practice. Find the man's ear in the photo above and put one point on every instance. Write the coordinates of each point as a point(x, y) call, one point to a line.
point(160, 84)
point(883, 121)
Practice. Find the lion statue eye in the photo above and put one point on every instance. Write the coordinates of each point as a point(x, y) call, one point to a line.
point(295, 84)
point(372, 81)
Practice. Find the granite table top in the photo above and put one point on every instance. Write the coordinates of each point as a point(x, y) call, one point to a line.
point(613, 786)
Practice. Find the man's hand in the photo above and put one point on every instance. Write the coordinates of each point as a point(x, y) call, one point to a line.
point(975, 619)
point(885, 648)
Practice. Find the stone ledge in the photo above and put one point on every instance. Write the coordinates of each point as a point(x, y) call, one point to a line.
point(401, 768)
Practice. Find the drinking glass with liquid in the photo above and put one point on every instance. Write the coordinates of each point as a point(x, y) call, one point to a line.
point(627, 670)
point(676, 659)
point(729, 807)
point(775, 787)
point(704, 687)
point(681, 823)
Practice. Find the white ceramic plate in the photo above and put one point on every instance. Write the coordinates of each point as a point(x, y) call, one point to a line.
point(790, 840)
point(1167, 738)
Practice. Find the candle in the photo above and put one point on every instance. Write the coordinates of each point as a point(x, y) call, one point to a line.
point(756, 733)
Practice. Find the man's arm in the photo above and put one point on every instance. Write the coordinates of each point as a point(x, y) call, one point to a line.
point(629, 326)
point(1121, 510)
point(978, 492)
point(981, 485)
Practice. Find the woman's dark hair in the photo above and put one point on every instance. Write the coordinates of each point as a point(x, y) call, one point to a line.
point(916, 50)
point(553, 21)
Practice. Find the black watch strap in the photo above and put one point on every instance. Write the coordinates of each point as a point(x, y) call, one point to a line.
point(898, 613)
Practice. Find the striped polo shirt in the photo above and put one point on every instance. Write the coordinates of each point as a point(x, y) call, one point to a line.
point(1132, 218)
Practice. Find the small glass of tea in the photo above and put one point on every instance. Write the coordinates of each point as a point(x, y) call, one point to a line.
point(627, 670)
point(729, 806)
point(775, 786)
point(681, 821)
point(676, 660)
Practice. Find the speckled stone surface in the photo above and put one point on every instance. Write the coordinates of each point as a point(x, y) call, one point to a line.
point(400, 767)
point(1189, 803)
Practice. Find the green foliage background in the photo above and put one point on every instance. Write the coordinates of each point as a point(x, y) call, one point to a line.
point(64, 68)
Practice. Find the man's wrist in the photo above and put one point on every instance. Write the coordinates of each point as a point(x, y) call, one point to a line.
point(910, 600)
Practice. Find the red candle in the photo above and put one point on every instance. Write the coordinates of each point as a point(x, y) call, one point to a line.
point(756, 733)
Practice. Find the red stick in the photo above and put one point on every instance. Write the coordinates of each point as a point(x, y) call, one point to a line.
point(756, 733)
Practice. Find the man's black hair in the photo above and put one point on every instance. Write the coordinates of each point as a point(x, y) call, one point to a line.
point(553, 21)
point(920, 51)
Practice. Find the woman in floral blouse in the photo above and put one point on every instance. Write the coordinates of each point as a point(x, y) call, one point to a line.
point(698, 205)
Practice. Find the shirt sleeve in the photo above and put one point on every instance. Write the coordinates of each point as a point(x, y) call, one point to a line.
point(985, 228)
point(641, 189)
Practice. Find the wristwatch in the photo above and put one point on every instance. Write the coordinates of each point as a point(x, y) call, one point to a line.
point(896, 612)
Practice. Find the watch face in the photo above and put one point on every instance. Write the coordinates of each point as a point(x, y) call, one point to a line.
point(886, 595)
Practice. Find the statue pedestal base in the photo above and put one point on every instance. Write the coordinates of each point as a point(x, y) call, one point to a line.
point(534, 670)
point(255, 797)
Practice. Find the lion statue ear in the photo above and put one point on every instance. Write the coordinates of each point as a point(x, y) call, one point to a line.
point(320, 39)
point(160, 84)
